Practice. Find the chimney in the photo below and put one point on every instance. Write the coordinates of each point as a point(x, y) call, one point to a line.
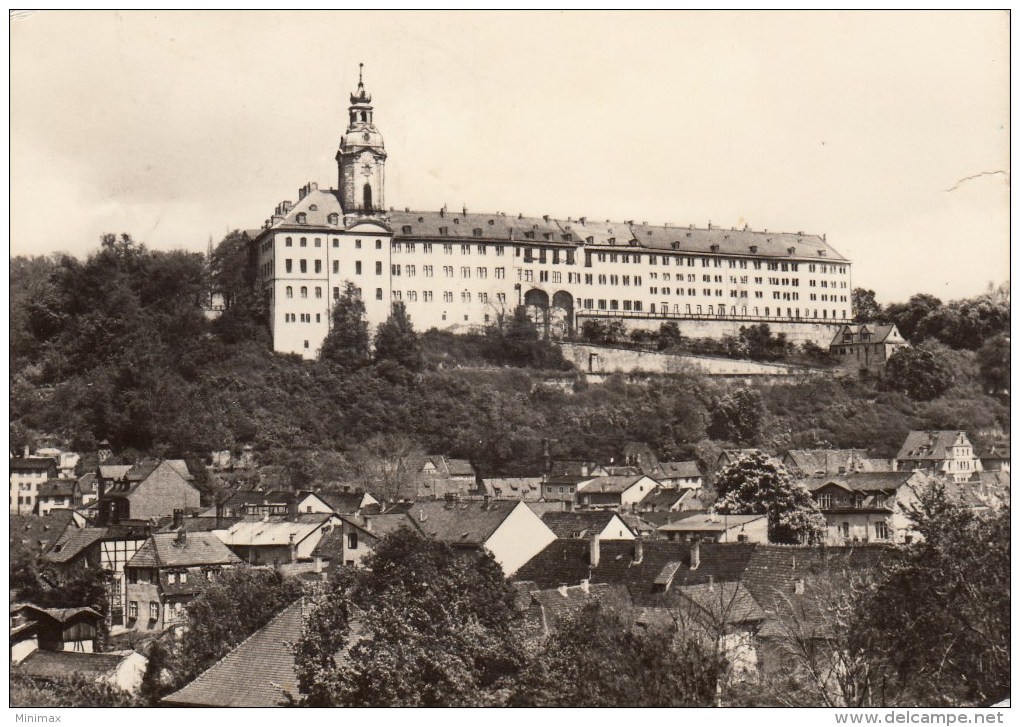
point(219, 515)
point(465, 211)
point(798, 586)
point(292, 512)
point(593, 551)
point(178, 518)
point(639, 549)
point(582, 220)
point(485, 501)
point(563, 590)
point(711, 583)
point(182, 536)
point(318, 564)
point(368, 524)
point(26, 452)
point(695, 554)
point(585, 585)
point(422, 517)
point(293, 548)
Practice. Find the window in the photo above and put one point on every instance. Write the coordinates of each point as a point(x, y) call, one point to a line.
point(378, 293)
point(132, 609)
point(482, 272)
point(153, 611)
point(336, 293)
point(352, 541)
point(183, 578)
point(290, 242)
point(304, 291)
point(290, 291)
point(378, 244)
point(378, 267)
point(288, 264)
point(336, 242)
point(336, 266)
point(318, 242)
point(426, 296)
point(318, 266)
point(318, 292)
point(304, 266)
point(426, 270)
point(409, 270)
point(447, 297)
point(465, 272)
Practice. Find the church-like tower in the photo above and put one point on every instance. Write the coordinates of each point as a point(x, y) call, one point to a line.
point(361, 160)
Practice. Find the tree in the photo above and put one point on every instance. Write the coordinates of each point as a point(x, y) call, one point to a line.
point(386, 465)
point(441, 626)
point(866, 309)
point(346, 346)
point(396, 340)
point(908, 316)
point(918, 371)
point(669, 336)
point(738, 417)
point(758, 344)
point(993, 361)
point(937, 625)
point(755, 484)
point(598, 659)
point(595, 331)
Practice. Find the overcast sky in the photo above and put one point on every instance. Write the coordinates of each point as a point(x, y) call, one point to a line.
point(864, 126)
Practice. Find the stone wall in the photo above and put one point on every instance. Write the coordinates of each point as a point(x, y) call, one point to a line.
point(592, 359)
point(799, 332)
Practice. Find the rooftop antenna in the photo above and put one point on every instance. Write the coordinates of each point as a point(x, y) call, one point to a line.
point(361, 67)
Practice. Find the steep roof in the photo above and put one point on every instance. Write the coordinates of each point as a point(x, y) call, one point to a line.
point(114, 471)
point(877, 333)
point(580, 523)
point(201, 524)
point(382, 524)
point(258, 672)
point(460, 468)
point(680, 469)
point(461, 523)
point(861, 481)
point(162, 550)
point(612, 484)
point(566, 561)
point(57, 488)
point(73, 542)
point(557, 604)
point(829, 461)
point(39, 532)
point(32, 463)
point(343, 503)
point(275, 531)
point(524, 488)
point(160, 475)
point(921, 445)
point(702, 522)
point(63, 664)
point(728, 602)
point(663, 497)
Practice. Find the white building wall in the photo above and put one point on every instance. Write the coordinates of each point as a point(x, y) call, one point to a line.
point(519, 538)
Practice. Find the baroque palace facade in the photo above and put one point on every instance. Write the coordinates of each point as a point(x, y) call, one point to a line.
point(459, 270)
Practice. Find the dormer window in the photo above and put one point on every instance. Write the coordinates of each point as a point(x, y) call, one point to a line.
point(754, 248)
point(547, 235)
point(590, 240)
point(492, 222)
point(444, 230)
point(714, 248)
point(406, 229)
point(568, 237)
point(313, 208)
point(302, 218)
point(821, 253)
point(612, 241)
point(477, 232)
point(334, 218)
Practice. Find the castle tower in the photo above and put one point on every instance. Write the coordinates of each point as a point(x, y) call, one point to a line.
point(361, 160)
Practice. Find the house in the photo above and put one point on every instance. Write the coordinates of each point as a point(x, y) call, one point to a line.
point(546, 610)
point(718, 528)
point(244, 503)
point(88, 485)
point(663, 499)
point(947, 453)
point(615, 492)
point(36, 533)
point(27, 475)
point(681, 475)
point(866, 345)
point(258, 672)
point(603, 524)
point(342, 503)
point(808, 462)
point(66, 461)
point(866, 507)
point(143, 492)
point(59, 629)
point(510, 531)
point(357, 536)
point(58, 493)
point(528, 489)
point(575, 468)
point(121, 669)
point(995, 458)
point(726, 614)
point(167, 572)
point(563, 488)
point(274, 539)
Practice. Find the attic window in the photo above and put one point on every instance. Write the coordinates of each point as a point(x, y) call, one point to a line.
point(633, 243)
point(313, 208)
point(821, 253)
point(791, 250)
point(612, 240)
point(334, 218)
point(714, 248)
point(406, 229)
point(675, 245)
point(492, 222)
point(456, 220)
point(754, 248)
point(568, 237)
point(302, 218)
point(444, 230)
point(547, 235)
point(590, 240)
point(477, 232)
point(530, 235)
point(421, 219)
point(798, 586)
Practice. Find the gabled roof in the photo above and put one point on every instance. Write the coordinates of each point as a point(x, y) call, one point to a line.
point(114, 471)
point(580, 523)
point(566, 561)
point(558, 604)
point(39, 532)
point(709, 522)
point(259, 672)
point(57, 488)
point(158, 476)
point(523, 488)
point(828, 461)
point(929, 445)
point(461, 523)
point(32, 463)
point(663, 497)
point(460, 468)
point(73, 543)
point(572, 468)
point(274, 531)
point(64, 664)
point(201, 524)
point(876, 332)
point(344, 503)
point(381, 524)
point(162, 550)
point(861, 481)
point(723, 603)
point(612, 484)
point(60, 615)
point(680, 469)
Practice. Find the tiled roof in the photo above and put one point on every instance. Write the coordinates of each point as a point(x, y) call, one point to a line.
point(464, 523)
point(114, 471)
point(330, 545)
point(665, 498)
point(39, 532)
point(928, 445)
point(878, 333)
point(572, 468)
point(460, 468)
point(73, 542)
point(343, 503)
point(611, 484)
point(32, 463)
point(162, 550)
point(557, 604)
point(566, 561)
point(57, 488)
point(680, 469)
point(772, 573)
point(158, 476)
point(201, 524)
point(702, 522)
point(615, 235)
point(63, 664)
point(275, 531)
point(861, 481)
point(723, 603)
point(579, 524)
point(828, 461)
point(259, 672)
point(524, 488)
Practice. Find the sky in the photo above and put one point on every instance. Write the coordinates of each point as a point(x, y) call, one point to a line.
point(888, 132)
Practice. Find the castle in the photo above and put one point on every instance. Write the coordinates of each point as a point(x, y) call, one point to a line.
point(459, 270)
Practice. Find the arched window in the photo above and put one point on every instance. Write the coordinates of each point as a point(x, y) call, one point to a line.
point(368, 197)
point(302, 218)
point(304, 291)
point(290, 241)
point(364, 116)
point(290, 291)
point(334, 218)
